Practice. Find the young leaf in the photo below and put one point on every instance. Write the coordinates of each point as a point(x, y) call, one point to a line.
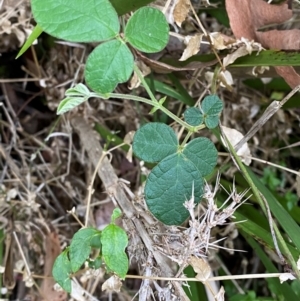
point(193, 116)
point(78, 90)
point(154, 141)
point(114, 241)
point(202, 152)
point(116, 214)
point(80, 247)
point(147, 30)
point(69, 103)
point(33, 36)
point(212, 107)
point(61, 271)
point(169, 185)
point(109, 64)
point(77, 21)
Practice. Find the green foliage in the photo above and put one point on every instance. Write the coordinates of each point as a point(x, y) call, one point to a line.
point(147, 30)
point(154, 142)
point(62, 270)
point(179, 173)
point(193, 116)
point(114, 241)
point(111, 242)
point(209, 112)
point(103, 75)
point(111, 62)
point(71, 20)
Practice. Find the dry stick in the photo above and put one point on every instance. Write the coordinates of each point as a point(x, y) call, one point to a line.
point(269, 112)
point(29, 274)
point(90, 143)
point(206, 34)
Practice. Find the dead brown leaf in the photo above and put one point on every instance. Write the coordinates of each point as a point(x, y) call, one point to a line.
point(247, 16)
point(181, 11)
point(52, 248)
point(201, 267)
point(193, 46)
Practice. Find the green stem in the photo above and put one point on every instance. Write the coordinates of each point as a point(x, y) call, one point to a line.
point(262, 205)
point(154, 103)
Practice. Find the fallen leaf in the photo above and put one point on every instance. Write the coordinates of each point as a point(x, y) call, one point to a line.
point(220, 296)
point(112, 284)
point(52, 248)
point(181, 11)
point(193, 46)
point(135, 80)
point(201, 267)
point(234, 136)
point(286, 276)
point(248, 16)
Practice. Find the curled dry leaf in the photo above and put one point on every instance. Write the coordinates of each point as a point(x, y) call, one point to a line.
point(220, 296)
point(112, 284)
point(181, 11)
point(135, 81)
point(193, 46)
point(247, 16)
point(234, 137)
point(286, 276)
point(201, 267)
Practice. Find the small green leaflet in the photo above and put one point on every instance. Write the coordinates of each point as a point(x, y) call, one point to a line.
point(212, 107)
point(62, 270)
point(114, 241)
point(193, 116)
point(80, 247)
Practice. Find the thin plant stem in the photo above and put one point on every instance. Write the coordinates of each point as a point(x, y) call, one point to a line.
point(256, 193)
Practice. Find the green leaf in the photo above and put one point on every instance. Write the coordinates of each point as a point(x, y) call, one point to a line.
point(61, 271)
point(212, 107)
point(114, 241)
point(116, 214)
point(109, 64)
point(169, 185)
point(80, 247)
point(77, 21)
point(122, 7)
point(269, 58)
point(78, 90)
point(33, 36)
point(147, 30)
point(282, 291)
point(283, 217)
point(193, 116)
point(154, 141)
point(69, 103)
point(202, 152)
